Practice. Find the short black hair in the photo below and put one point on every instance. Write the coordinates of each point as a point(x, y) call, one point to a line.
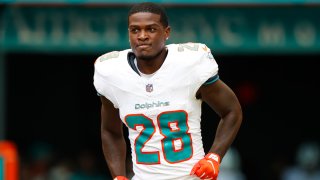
point(151, 8)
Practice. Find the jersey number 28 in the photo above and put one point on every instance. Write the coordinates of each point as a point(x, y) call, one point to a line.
point(176, 144)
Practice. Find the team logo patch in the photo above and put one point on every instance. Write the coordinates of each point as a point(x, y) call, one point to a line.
point(149, 88)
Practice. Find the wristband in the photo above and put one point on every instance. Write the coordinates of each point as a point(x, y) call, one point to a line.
point(213, 156)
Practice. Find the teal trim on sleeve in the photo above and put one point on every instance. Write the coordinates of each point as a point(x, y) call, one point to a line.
point(212, 80)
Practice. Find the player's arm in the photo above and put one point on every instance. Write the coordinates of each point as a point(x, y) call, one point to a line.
point(113, 142)
point(225, 103)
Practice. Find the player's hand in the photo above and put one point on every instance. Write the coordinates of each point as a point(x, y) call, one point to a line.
point(208, 167)
point(120, 178)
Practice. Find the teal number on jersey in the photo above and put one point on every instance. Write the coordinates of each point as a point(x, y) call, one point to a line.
point(147, 130)
point(176, 143)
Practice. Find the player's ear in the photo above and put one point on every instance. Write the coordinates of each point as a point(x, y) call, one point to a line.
point(167, 32)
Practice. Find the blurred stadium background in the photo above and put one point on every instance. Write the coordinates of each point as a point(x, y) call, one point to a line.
point(268, 52)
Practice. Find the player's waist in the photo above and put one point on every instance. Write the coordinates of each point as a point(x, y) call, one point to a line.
point(165, 171)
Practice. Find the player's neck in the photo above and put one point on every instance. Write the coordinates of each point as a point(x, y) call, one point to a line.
point(152, 65)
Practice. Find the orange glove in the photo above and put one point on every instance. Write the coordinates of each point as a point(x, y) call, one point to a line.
point(208, 167)
point(120, 178)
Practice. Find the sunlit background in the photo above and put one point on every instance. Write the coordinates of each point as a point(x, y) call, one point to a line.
point(268, 52)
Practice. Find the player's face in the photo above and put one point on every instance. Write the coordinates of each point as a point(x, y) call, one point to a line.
point(147, 35)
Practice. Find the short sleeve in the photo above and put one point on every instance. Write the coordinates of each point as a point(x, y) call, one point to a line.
point(207, 69)
point(101, 83)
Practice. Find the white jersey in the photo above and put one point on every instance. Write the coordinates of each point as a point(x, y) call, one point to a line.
point(161, 112)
